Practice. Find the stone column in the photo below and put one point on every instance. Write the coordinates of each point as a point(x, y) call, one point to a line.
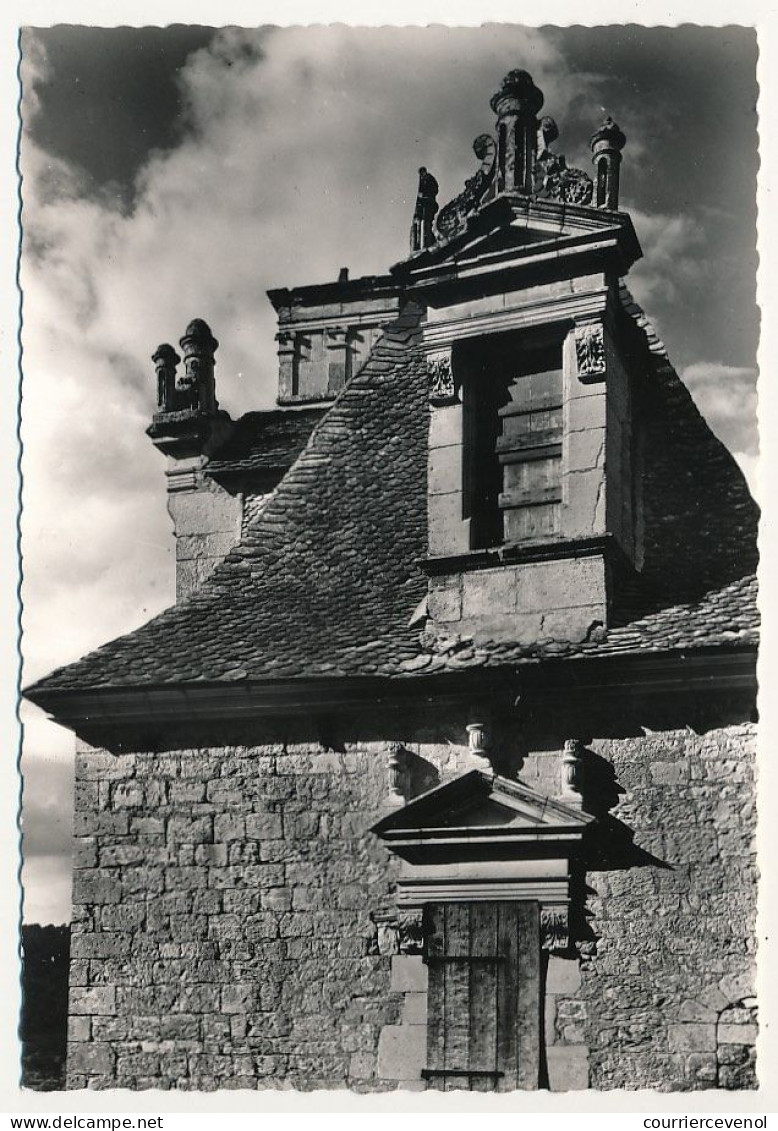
point(607, 144)
point(339, 358)
point(287, 361)
point(165, 361)
point(198, 385)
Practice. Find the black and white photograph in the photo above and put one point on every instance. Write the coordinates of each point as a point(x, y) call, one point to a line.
point(390, 506)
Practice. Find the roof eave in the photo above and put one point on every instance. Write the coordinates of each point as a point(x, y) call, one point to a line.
point(706, 669)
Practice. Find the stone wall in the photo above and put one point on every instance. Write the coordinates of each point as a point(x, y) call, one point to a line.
point(224, 931)
point(671, 953)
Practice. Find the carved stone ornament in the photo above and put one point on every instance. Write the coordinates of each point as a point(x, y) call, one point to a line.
point(554, 928)
point(590, 350)
point(397, 932)
point(553, 180)
point(572, 771)
point(453, 217)
point(441, 377)
point(397, 774)
point(165, 361)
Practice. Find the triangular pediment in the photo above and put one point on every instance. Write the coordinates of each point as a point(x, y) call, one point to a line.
point(520, 234)
point(480, 805)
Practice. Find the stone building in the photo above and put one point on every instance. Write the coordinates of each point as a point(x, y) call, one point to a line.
point(439, 774)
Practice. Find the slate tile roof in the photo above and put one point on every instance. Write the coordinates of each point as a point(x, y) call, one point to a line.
point(264, 442)
point(325, 580)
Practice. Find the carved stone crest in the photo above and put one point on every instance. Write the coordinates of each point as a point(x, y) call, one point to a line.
point(554, 928)
point(397, 932)
point(590, 350)
point(453, 217)
point(442, 389)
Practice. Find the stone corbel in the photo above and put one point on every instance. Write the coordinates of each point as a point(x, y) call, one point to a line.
point(442, 387)
point(590, 351)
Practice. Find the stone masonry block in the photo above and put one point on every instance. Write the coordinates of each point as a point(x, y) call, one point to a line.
point(228, 826)
point(415, 1009)
point(92, 1059)
point(696, 1011)
point(95, 765)
point(448, 532)
point(444, 471)
point(669, 773)
point(583, 511)
point(97, 1000)
point(205, 512)
point(563, 976)
point(446, 426)
point(91, 888)
point(489, 592)
point(402, 1052)
point(736, 1034)
point(189, 830)
point(79, 1029)
point(409, 974)
point(445, 603)
point(549, 586)
point(204, 545)
point(568, 1068)
point(361, 1066)
point(586, 450)
point(692, 1037)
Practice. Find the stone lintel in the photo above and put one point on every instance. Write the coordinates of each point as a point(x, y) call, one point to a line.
point(516, 310)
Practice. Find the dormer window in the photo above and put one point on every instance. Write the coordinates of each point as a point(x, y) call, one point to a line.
point(512, 407)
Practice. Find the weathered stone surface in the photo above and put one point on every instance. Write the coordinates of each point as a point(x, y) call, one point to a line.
point(402, 1050)
point(256, 945)
point(409, 974)
point(414, 1009)
point(563, 975)
point(568, 1068)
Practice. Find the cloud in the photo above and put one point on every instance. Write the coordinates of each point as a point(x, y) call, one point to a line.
point(673, 248)
point(298, 155)
point(726, 396)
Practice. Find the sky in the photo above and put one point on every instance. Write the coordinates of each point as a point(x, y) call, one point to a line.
point(181, 172)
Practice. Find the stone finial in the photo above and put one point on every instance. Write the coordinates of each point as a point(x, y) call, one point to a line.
point(397, 775)
point(516, 105)
point(424, 213)
point(196, 387)
point(572, 772)
point(607, 143)
point(479, 740)
point(517, 95)
point(165, 361)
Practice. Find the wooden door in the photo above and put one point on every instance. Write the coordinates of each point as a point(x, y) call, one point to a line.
point(484, 1010)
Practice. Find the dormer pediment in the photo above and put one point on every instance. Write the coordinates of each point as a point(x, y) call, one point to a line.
point(520, 239)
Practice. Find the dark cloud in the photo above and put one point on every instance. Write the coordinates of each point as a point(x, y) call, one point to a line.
point(109, 97)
